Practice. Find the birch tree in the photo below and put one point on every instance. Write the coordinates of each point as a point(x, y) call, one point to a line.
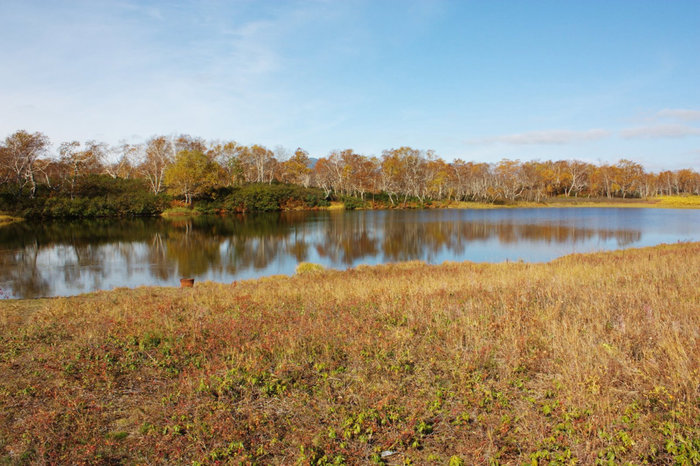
point(158, 155)
point(19, 154)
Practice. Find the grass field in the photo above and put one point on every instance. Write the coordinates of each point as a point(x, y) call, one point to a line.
point(680, 201)
point(591, 358)
point(662, 202)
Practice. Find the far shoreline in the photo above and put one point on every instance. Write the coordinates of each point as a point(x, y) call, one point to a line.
point(661, 202)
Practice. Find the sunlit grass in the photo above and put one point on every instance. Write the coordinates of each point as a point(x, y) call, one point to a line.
point(663, 202)
point(335, 205)
point(308, 267)
point(180, 212)
point(590, 358)
point(680, 201)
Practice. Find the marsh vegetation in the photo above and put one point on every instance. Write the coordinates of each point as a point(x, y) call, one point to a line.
point(589, 358)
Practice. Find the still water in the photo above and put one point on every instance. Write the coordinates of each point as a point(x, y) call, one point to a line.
point(67, 258)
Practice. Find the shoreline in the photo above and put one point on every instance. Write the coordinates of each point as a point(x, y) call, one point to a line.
point(662, 202)
point(690, 203)
point(310, 269)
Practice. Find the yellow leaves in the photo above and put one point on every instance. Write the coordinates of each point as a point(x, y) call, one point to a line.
point(191, 174)
point(592, 384)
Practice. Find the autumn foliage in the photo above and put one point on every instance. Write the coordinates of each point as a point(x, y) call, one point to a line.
point(192, 168)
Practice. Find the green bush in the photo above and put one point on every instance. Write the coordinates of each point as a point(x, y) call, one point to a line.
point(260, 197)
point(308, 267)
point(91, 186)
point(82, 207)
point(352, 203)
point(94, 196)
point(104, 196)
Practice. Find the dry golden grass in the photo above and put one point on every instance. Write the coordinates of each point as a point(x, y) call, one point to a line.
point(335, 205)
point(589, 359)
point(680, 202)
point(661, 202)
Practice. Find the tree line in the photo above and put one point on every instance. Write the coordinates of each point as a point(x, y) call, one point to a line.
point(189, 168)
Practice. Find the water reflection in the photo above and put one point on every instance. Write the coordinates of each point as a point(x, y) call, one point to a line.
point(63, 258)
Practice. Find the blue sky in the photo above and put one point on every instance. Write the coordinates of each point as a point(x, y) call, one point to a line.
point(591, 80)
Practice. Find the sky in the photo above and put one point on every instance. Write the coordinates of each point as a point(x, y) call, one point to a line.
point(478, 80)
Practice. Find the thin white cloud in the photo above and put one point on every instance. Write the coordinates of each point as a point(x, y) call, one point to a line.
point(554, 136)
point(660, 131)
point(221, 76)
point(151, 12)
point(684, 114)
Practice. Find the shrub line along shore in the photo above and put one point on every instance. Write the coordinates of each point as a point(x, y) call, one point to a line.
point(660, 202)
point(590, 358)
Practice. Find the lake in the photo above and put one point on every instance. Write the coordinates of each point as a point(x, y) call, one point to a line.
point(60, 258)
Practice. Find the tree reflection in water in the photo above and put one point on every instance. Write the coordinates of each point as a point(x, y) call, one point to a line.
point(59, 258)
